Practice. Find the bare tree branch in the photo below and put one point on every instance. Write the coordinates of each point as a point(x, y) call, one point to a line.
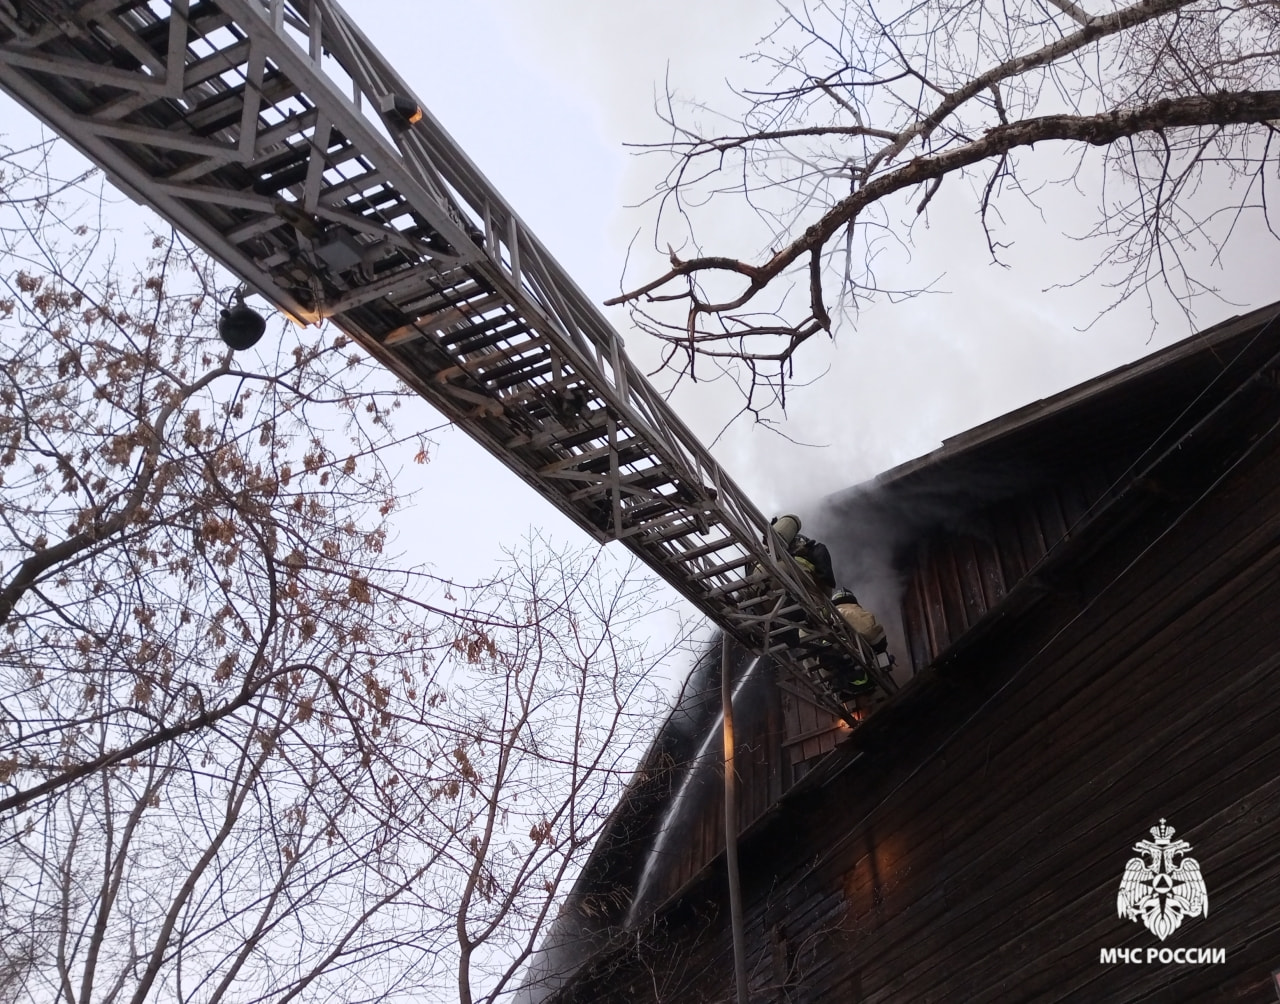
point(1171, 92)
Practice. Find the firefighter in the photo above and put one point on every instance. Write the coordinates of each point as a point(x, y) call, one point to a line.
point(815, 562)
point(861, 620)
point(848, 676)
point(851, 673)
point(811, 555)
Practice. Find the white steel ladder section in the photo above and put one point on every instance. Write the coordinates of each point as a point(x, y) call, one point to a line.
point(276, 136)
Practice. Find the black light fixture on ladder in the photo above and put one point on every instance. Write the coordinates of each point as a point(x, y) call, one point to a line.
point(240, 326)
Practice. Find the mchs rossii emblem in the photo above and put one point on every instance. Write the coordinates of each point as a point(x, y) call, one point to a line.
point(1163, 885)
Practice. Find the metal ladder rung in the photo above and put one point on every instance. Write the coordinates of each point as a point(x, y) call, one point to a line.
point(653, 521)
point(537, 354)
point(470, 310)
point(556, 438)
point(727, 566)
point(202, 18)
point(747, 582)
point(504, 354)
point(483, 333)
point(226, 108)
point(627, 455)
point(572, 463)
point(524, 376)
point(437, 300)
point(651, 478)
point(698, 552)
point(595, 430)
point(482, 342)
point(636, 496)
point(679, 532)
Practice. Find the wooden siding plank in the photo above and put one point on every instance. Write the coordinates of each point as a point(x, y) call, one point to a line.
point(915, 626)
point(949, 590)
point(969, 573)
point(939, 634)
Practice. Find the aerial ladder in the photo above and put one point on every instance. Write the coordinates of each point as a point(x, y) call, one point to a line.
point(275, 135)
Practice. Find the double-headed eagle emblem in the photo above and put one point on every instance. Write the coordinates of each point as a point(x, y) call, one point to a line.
point(1162, 886)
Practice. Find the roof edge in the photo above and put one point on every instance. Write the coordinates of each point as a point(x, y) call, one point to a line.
point(1012, 421)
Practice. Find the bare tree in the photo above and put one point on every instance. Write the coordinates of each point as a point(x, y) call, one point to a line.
point(562, 687)
point(867, 109)
point(247, 752)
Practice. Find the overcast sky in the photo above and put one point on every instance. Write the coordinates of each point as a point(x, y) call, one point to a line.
point(542, 94)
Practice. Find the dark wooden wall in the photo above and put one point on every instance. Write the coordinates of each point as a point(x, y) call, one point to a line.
point(694, 824)
point(974, 850)
point(780, 733)
point(956, 579)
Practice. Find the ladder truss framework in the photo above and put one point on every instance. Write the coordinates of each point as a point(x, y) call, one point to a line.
point(274, 134)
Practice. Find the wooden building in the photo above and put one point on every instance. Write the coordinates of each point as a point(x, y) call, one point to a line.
point(1088, 594)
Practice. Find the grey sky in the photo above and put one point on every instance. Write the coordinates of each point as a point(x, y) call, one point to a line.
point(580, 79)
